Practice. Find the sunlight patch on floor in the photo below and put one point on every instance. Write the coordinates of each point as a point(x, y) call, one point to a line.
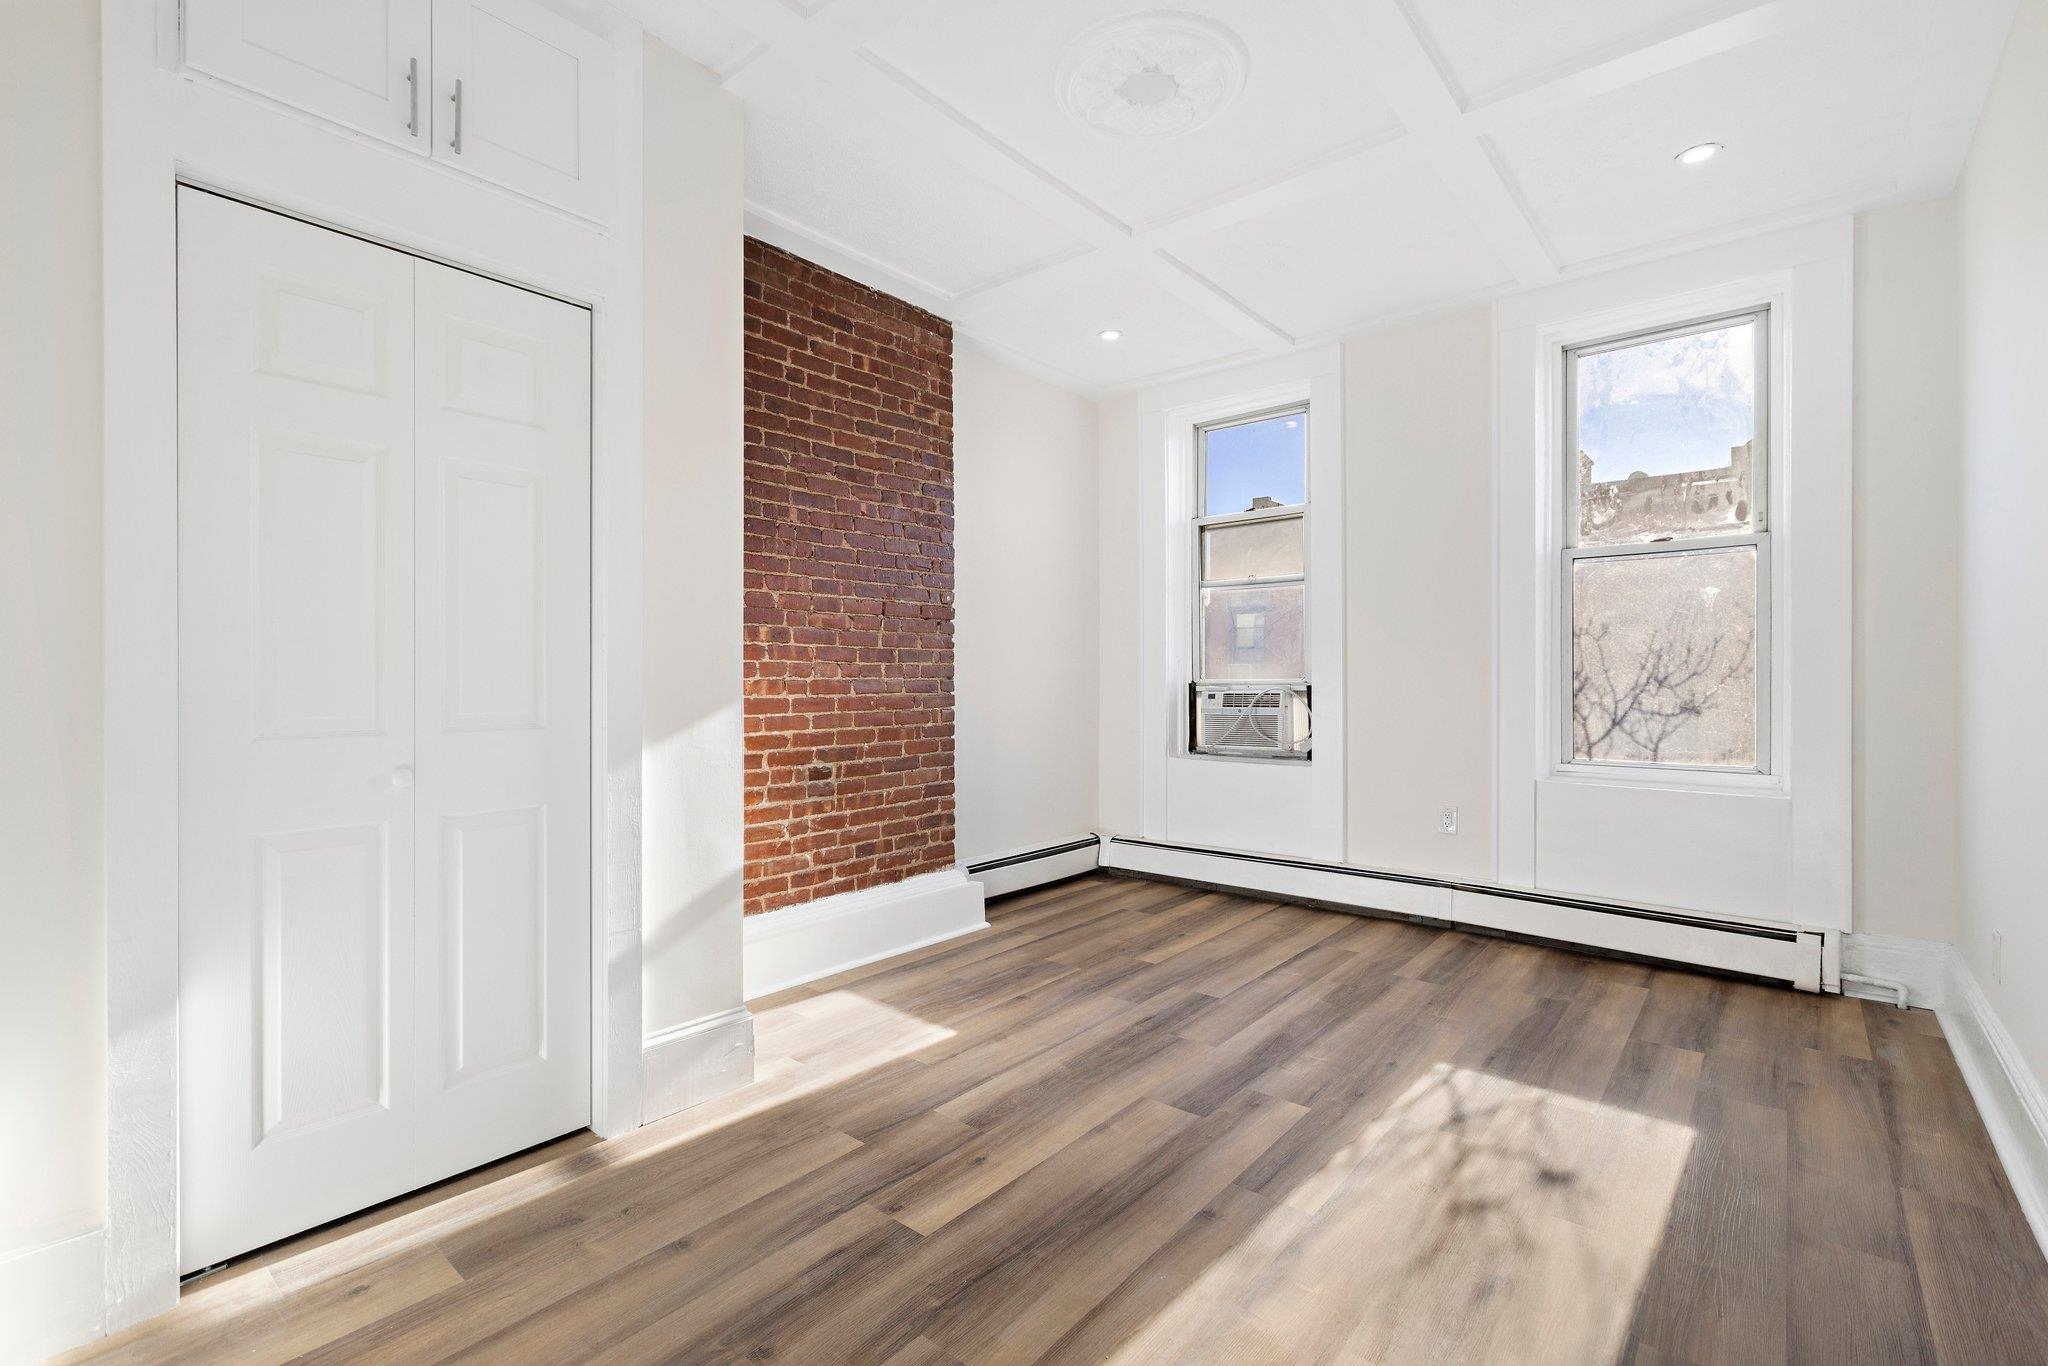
point(804, 1047)
point(1476, 1219)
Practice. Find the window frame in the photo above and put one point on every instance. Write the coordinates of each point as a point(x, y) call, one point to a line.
point(1758, 537)
point(1201, 523)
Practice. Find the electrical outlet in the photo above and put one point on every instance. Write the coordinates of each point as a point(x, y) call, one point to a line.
point(1998, 958)
point(1447, 821)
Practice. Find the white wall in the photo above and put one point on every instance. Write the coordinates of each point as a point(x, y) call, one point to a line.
point(1908, 522)
point(1419, 521)
point(2003, 213)
point(1119, 620)
point(1418, 517)
point(1418, 480)
point(1024, 635)
point(691, 776)
point(52, 953)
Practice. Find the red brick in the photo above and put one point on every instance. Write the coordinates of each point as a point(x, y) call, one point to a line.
point(849, 580)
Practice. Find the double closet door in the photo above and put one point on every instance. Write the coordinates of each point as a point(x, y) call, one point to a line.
point(384, 723)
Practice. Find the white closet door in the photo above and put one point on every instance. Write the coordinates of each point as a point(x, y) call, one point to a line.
point(347, 60)
point(384, 736)
point(295, 680)
point(533, 110)
point(503, 485)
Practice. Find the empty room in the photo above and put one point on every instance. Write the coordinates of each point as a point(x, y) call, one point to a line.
point(936, 682)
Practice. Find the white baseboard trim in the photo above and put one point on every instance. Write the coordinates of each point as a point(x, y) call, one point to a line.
point(53, 1298)
point(1920, 965)
point(2008, 1094)
point(695, 1062)
point(799, 944)
point(1018, 869)
point(1787, 953)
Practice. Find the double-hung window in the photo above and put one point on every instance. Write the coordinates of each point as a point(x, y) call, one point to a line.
point(1666, 549)
point(1251, 607)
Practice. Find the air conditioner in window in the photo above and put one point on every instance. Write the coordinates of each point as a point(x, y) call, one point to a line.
point(1252, 720)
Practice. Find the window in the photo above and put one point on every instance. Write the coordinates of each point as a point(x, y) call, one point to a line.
point(1251, 551)
point(1666, 549)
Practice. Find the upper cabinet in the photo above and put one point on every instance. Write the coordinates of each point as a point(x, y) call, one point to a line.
point(520, 97)
point(363, 63)
point(507, 90)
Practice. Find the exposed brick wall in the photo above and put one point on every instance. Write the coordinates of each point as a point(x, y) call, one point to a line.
point(849, 582)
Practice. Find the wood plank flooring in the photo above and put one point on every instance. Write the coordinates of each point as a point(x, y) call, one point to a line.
point(1140, 1122)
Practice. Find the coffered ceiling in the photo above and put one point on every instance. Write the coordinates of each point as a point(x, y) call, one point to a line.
point(1373, 160)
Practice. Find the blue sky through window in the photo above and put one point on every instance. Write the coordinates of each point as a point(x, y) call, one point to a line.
point(1667, 406)
point(1268, 458)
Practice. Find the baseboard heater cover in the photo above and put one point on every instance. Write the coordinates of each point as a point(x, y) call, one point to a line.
point(1036, 867)
point(1805, 958)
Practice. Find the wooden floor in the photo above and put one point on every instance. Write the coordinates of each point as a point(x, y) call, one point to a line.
point(1140, 1122)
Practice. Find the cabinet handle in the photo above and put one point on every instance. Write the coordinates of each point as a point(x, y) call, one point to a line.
point(412, 81)
point(456, 141)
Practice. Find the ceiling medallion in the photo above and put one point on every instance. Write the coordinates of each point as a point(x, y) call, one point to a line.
point(1155, 75)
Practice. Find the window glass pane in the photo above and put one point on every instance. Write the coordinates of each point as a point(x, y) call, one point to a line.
point(1255, 464)
point(1666, 435)
point(1664, 659)
point(1253, 632)
point(1252, 550)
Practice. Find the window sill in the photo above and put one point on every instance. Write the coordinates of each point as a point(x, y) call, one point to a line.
point(1669, 779)
point(1298, 760)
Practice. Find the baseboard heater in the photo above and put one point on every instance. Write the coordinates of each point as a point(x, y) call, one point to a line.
point(1804, 958)
point(1035, 867)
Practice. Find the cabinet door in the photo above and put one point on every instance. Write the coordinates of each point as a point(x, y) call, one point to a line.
point(384, 723)
point(503, 605)
point(521, 97)
point(295, 734)
point(363, 63)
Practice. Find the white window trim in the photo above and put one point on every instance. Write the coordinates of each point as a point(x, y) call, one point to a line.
point(1257, 805)
point(1557, 340)
point(161, 127)
point(1202, 521)
point(1567, 551)
point(1804, 274)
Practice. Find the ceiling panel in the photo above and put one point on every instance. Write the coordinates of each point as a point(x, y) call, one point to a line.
point(698, 30)
point(996, 63)
point(1393, 242)
point(1487, 46)
point(860, 185)
point(1810, 117)
point(952, 173)
point(1054, 318)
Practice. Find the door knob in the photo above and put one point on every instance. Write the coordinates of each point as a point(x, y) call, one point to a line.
point(402, 776)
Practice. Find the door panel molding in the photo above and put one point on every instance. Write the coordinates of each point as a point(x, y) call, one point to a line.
point(384, 940)
point(162, 130)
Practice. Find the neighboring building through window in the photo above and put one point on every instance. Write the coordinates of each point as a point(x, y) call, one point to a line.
point(1666, 549)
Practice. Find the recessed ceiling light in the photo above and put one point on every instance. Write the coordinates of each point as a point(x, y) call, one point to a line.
point(1109, 334)
point(1705, 151)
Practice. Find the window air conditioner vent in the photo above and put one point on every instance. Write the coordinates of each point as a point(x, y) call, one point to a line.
point(1263, 720)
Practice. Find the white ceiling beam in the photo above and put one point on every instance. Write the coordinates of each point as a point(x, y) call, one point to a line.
point(797, 46)
point(1332, 175)
point(779, 230)
point(921, 114)
point(1575, 87)
point(1356, 165)
point(828, 48)
point(1407, 78)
